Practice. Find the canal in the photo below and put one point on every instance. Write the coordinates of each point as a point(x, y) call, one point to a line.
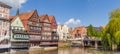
point(74, 51)
point(82, 51)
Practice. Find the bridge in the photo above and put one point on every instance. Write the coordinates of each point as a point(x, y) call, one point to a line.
point(87, 42)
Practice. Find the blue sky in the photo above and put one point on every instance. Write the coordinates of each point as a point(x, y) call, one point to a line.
point(95, 12)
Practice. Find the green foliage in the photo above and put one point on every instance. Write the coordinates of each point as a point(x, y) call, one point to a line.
point(111, 34)
point(117, 38)
point(115, 13)
point(91, 32)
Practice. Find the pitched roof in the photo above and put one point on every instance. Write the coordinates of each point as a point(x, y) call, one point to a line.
point(23, 16)
point(53, 21)
point(42, 17)
point(26, 15)
point(51, 18)
point(12, 18)
point(78, 28)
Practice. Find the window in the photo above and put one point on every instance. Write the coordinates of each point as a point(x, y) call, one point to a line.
point(1, 15)
point(1, 8)
point(46, 20)
point(7, 10)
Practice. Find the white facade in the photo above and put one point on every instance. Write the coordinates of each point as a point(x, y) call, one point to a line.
point(63, 32)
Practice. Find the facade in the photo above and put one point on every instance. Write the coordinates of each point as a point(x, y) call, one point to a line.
point(31, 23)
point(54, 30)
point(54, 27)
point(4, 25)
point(80, 32)
point(19, 36)
point(46, 30)
point(63, 32)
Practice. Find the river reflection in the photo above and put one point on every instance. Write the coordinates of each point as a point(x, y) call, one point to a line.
point(83, 51)
point(74, 51)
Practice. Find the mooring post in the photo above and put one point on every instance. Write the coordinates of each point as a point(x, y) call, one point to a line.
point(83, 43)
point(96, 45)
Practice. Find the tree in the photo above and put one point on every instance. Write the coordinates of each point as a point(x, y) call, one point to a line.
point(92, 32)
point(112, 30)
point(115, 13)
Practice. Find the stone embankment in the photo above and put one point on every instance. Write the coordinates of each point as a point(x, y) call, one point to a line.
point(34, 50)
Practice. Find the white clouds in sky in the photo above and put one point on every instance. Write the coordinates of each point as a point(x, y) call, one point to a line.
point(58, 23)
point(73, 22)
point(14, 3)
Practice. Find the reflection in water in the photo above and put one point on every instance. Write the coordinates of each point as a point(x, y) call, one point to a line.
point(51, 52)
point(75, 51)
point(72, 51)
point(83, 51)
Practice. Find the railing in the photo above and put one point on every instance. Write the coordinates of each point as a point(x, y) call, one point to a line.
point(18, 31)
point(1, 18)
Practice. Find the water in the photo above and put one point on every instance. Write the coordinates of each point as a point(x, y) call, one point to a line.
point(84, 51)
point(75, 51)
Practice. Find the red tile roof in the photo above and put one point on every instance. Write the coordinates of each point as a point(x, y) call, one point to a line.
point(12, 18)
point(53, 21)
point(51, 18)
point(78, 28)
point(24, 17)
point(42, 17)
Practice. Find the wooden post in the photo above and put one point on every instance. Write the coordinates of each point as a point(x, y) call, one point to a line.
point(96, 45)
point(89, 43)
point(82, 43)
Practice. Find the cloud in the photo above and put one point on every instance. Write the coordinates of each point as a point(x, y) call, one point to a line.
point(58, 23)
point(14, 3)
point(73, 22)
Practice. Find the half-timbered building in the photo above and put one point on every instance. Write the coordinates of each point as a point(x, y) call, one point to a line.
point(31, 23)
point(46, 30)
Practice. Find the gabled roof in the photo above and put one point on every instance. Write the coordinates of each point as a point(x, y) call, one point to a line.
point(53, 21)
point(23, 16)
point(26, 15)
point(42, 17)
point(12, 18)
point(51, 18)
point(78, 28)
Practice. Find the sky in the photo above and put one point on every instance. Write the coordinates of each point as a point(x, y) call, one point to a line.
point(73, 13)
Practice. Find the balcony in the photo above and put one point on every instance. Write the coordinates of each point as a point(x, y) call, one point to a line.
point(35, 38)
point(19, 31)
point(5, 19)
